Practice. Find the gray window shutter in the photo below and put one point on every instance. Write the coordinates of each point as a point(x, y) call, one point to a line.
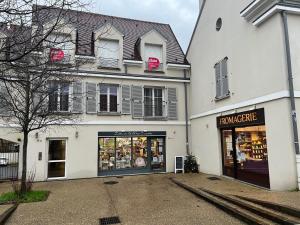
point(126, 100)
point(91, 98)
point(77, 97)
point(172, 103)
point(137, 101)
point(224, 77)
point(218, 80)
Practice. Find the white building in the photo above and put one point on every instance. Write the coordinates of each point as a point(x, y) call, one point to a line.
point(241, 121)
point(132, 117)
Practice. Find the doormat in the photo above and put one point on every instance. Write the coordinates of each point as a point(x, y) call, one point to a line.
point(213, 178)
point(111, 182)
point(109, 220)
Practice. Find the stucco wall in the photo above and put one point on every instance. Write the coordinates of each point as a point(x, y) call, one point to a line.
point(256, 63)
point(82, 152)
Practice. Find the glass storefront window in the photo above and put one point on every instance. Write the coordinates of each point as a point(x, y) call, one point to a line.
point(139, 152)
point(107, 153)
point(250, 154)
point(123, 153)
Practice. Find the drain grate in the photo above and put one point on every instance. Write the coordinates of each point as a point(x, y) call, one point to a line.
point(213, 178)
point(111, 182)
point(109, 220)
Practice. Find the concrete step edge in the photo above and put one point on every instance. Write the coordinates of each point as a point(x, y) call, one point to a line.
point(256, 209)
point(7, 213)
point(274, 206)
point(235, 211)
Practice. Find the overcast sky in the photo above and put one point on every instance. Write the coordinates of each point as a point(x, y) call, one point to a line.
point(180, 14)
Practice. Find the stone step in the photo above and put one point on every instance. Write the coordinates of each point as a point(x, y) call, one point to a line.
point(276, 217)
point(288, 210)
point(232, 209)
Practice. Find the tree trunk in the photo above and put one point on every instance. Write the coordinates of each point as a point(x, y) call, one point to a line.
point(24, 163)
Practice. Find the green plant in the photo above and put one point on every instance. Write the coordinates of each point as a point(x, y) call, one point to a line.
point(191, 165)
point(31, 196)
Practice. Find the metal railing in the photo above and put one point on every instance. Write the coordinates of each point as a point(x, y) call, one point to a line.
point(108, 62)
point(9, 160)
point(159, 69)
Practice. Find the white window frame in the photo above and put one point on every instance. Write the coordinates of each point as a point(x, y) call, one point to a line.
point(153, 102)
point(108, 98)
point(57, 161)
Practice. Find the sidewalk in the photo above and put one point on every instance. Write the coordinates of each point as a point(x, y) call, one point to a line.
point(234, 187)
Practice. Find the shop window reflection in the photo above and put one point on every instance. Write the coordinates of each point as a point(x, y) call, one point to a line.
point(139, 152)
point(123, 153)
point(252, 155)
point(157, 153)
point(107, 153)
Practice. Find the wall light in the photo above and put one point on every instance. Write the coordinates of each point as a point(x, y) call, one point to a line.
point(76, 134)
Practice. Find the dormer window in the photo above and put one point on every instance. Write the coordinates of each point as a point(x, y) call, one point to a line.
point(109, 53)
point(154, 57)
point(60, 48)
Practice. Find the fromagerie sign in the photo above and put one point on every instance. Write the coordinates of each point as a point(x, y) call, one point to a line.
point(253, 117)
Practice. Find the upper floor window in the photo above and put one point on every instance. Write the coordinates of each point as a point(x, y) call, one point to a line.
point(154, 51)
point(59, 96)
point(109, 53)
point(109, 98)
point(221, 73)
point(153, 102)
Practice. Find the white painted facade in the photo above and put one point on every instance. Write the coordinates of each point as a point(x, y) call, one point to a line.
point(257, 75)
point(82, 137)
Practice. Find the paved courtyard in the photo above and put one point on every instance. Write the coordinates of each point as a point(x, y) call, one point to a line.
point(137, 200)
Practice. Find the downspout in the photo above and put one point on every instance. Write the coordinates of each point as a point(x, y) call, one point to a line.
point(186, 116)
point(291, 92)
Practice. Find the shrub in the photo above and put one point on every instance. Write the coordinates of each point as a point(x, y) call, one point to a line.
point(191, 165)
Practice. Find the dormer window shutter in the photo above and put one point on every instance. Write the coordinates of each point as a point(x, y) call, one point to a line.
point(77, 43)
point(93, 44)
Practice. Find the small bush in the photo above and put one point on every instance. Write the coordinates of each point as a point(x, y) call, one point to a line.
point(191, 165)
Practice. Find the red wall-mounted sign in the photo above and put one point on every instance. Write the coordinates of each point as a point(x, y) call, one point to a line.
point(153, 63)
point(56, 54)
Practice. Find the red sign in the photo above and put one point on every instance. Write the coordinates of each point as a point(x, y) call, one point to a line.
point(153, 63)
point(56, 54)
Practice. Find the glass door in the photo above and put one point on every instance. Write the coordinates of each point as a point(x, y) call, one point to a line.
point(57, 159)
point(228, 153)
point(157, 153)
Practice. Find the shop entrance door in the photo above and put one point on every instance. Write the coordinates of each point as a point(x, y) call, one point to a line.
point(228, 153)
point(157, 153)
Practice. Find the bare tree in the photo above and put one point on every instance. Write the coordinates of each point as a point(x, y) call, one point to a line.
point(33, 74)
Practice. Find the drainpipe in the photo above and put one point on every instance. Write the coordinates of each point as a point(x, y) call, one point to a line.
point(292, 95)
point(186, 116)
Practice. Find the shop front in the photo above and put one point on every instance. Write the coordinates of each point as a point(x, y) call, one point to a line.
point(244, 147)
point(131, 152)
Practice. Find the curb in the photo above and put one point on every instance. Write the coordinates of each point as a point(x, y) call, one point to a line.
point(4, 216)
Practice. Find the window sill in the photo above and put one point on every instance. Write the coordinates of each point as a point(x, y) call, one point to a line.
point(217, 99)
point(109, 114)
point(153, 71)
point(155, 118)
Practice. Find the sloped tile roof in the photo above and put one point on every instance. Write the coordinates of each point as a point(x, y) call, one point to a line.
point(86, 23)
